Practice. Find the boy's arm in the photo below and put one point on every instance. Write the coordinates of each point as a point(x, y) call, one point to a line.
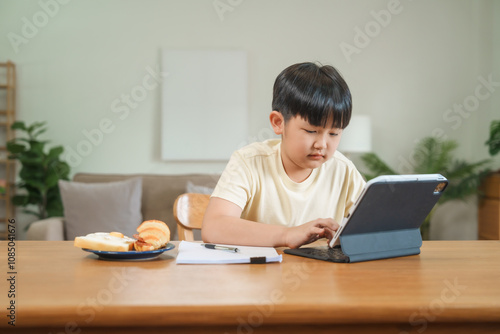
point(222, 224)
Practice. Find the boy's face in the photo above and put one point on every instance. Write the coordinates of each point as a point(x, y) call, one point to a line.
point(304, 146)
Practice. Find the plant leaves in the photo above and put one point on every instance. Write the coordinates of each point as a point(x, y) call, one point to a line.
point(376, 165)
point(18, 125)
point(51, 179)
point(40, 186)
point(34, 127)
point(494, 141)
point(433, 156)
point(55, 152)
point(40, 171)
point(61, 168)
point(19, 200)
point(15, 148)
point(54, 208)
point(37, 133)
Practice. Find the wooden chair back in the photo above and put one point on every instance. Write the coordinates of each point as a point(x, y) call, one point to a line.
point(189, 209)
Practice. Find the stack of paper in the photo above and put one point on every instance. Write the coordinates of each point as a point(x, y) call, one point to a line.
point(195, 253)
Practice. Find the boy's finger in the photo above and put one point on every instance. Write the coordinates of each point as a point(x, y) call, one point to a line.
point(317, 231)
point(332, 227)
point(330, 223)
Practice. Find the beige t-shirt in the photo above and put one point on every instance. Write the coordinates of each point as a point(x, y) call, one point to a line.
point(256, 181)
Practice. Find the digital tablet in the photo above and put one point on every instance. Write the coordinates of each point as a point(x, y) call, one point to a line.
point(385, 220)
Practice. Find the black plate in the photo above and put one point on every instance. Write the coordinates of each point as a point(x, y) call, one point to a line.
point(130, 255)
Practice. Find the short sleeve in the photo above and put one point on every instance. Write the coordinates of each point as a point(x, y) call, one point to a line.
point(235, 182)
point(356, 184)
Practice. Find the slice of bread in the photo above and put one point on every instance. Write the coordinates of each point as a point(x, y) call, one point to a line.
point(103, 241)
point(153, 232)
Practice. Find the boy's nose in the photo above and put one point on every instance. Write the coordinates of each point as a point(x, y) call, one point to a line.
point(320, 142)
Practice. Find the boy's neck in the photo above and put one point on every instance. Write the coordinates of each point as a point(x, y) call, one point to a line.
point(294, 172)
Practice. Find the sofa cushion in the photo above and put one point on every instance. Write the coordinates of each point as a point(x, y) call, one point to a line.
point(101, 207)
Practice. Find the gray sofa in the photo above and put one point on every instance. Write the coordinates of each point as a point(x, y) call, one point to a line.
point(158, 195)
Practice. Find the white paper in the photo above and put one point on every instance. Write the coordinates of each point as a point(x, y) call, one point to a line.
point(195, 253)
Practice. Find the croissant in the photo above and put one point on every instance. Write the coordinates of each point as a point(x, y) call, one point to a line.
point(153, 234)
point(141, 246)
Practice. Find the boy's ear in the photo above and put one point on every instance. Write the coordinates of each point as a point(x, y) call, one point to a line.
point(277, 122)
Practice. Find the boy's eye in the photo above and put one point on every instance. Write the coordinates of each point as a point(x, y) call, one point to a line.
point(333, 134)
point(310, 131)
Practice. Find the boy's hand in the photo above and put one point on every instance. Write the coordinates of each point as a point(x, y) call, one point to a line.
point(309, 232)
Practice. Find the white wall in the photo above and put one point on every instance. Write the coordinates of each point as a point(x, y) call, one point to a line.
point(423, 59)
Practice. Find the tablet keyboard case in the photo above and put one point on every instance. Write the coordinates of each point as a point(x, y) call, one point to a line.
point(389, 224)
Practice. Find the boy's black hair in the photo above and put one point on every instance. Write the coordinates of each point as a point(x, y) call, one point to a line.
point(318, 94)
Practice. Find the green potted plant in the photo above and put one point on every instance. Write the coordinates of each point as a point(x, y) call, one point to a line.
point(489, 204)
point(435, 156)
point(41, 169)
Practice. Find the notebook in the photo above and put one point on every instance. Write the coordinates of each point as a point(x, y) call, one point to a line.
point(385, 220)
point(195, 253)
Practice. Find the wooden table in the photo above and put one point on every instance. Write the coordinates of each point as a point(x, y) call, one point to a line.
point(452, 286)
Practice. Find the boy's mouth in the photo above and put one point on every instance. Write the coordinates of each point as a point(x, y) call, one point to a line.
point(316, 156)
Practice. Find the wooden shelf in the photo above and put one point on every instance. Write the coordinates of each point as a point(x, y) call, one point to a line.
point(7, 172)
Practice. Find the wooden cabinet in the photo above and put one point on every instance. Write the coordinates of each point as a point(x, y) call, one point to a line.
point(489, 209)
point(7, 167)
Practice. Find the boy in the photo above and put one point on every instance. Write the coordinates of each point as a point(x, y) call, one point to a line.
point(290, 191)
